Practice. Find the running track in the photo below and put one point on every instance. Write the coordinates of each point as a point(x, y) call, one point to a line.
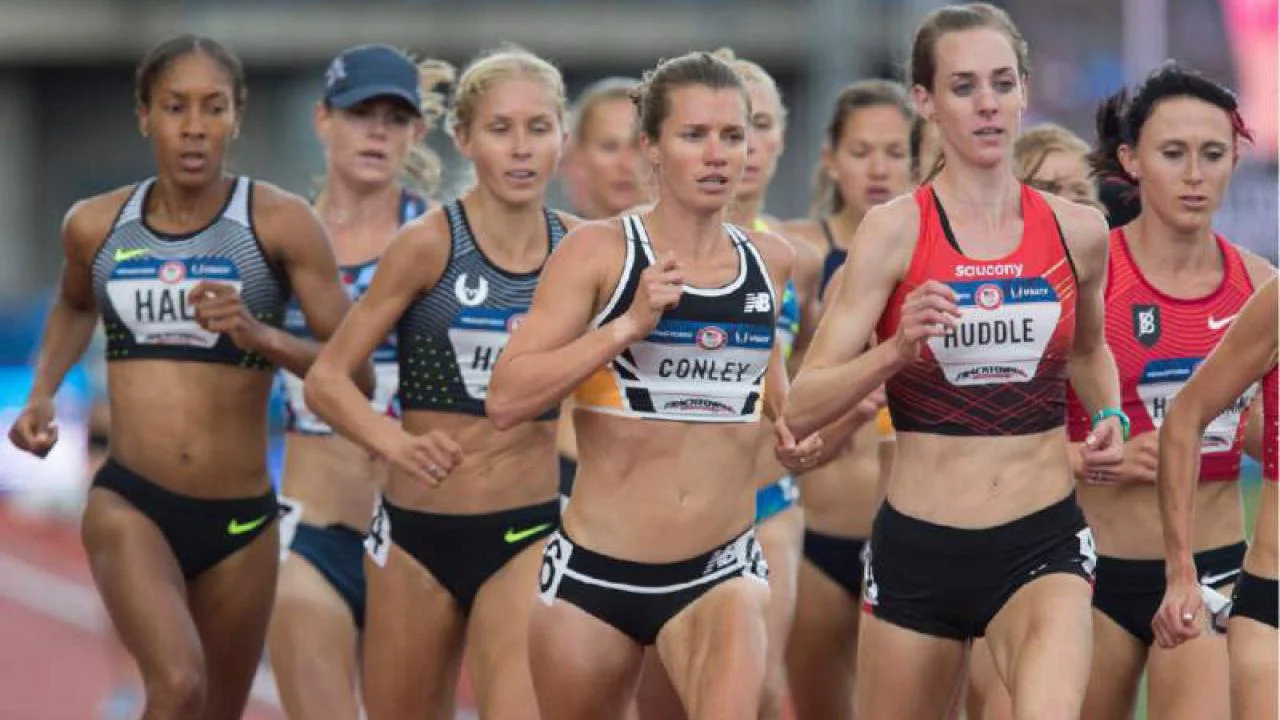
point(54, 658)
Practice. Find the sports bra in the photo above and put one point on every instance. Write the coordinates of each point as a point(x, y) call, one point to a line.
point(450, 337)
point(706, 359)
point(1003, 369)
point(141, 278)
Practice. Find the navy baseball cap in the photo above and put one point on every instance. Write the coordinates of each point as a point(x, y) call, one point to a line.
point(368, 71)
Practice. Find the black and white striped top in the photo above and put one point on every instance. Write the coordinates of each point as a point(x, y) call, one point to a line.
point(141, 278)
point(706, 359)
point(450, 337)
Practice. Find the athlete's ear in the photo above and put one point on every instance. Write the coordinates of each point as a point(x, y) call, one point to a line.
point(1128, 156)
point(829, 160)
point(144, 122)
point(924, 102)
point(650, 150)
point(462, 140)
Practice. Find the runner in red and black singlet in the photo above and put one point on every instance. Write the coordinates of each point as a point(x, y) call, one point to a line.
point(1173, 289)
point(985, 297)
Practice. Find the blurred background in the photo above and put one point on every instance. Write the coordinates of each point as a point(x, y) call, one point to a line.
point(67, 117)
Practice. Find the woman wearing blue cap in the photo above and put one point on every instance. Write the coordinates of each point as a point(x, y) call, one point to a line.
point(376, 110)
point(455, 547)
point(190, 271)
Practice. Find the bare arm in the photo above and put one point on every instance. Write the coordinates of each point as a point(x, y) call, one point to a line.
point(1090, 366)
point(410, 259)
point(837, 374)
point(1260, 272)
point(553, 351)
point(296, 241)
point(71, 321)
point(1246, 353)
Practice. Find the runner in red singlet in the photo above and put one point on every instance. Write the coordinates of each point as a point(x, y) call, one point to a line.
point(986, 296)
point(1173, 287)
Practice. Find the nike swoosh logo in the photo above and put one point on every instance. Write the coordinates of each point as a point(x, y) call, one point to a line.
point(1215, 579)
point(1216, 324)
point(235, 527)
point(515, 536)
point(122, 254)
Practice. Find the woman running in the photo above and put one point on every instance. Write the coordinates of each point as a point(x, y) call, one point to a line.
point(1054, 160)
point(191, 280)
point(1173, 287)
point(865, 162)
point(1246, 356)
point(376, 109)
point(779, 521)
point(455, 545)
point(664, 324)
point(985, 296)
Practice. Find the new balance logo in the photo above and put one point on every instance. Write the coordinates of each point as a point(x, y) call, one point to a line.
point(758, 302)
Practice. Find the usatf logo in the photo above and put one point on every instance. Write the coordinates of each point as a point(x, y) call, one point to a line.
point(988, 297)
point(172, 272)
point(711, 338)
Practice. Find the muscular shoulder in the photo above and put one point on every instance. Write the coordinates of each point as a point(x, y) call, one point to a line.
point(279, 214)
point(88, 222)
point(569, 220)
point(1081, 224)
point(888, 233)
point(1085, 231)
point(425, 239)
point(1259, 268)
point(591, 239)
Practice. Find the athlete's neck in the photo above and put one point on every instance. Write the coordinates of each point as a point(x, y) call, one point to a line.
point(992, 194)
point(347, 209)
point(844, 224)
point(176, 208)
point(686, 230)
point(513, 235)
point(1162, 250)
point(744, 211)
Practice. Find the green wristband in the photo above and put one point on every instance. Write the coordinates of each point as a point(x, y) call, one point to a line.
point(1105, 413)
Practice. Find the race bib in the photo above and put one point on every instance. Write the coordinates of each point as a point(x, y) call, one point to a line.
point(1162, 379)
point(701, 371)
point(1001, 335)
point(150, 296)
point(478, 336)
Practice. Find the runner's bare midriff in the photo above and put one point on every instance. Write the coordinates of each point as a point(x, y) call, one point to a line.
point(840, 497)
point(1126, 518)
point(499, 470)
point(978, 482)
point(653, 491)
point(196, 429)
point(334, 479)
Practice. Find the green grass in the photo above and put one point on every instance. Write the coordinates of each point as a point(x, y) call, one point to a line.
point(1250, 486)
